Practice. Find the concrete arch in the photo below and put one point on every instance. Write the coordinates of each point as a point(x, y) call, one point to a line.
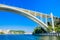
point(20, 11)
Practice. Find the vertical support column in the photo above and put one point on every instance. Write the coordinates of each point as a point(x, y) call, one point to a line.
point(41, 17)
point(52, 23)
point(35, 13)
point(46, 21)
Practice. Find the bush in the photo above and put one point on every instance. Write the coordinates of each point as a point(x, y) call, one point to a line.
point(1, 33)
point(38, 30)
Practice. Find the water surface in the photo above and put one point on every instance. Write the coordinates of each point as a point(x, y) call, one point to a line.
point(28, 37)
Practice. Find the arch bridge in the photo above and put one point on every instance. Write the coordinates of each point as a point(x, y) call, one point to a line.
point(31, 15)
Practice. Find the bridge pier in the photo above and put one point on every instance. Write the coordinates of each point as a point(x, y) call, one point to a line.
point(52, 23)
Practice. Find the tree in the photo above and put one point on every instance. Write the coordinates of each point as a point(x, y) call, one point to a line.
point(2, 33)
point(38, 30)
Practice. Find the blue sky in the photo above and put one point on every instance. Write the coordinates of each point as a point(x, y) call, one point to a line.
point(9, 20)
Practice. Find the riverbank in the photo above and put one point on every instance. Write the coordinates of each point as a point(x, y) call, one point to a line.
point(47, 34)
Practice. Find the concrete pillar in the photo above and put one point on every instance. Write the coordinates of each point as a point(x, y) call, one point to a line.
point(52, 23)
point(41, 17)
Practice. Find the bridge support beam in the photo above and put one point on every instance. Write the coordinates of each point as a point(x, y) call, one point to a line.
point(41, 17)
point(52, 23)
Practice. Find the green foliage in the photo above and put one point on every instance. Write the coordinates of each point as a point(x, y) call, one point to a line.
point(50, 28)
point(1, 33)
point(57, 25)
point(38, 30)
point(17, 32)
point(57, 29)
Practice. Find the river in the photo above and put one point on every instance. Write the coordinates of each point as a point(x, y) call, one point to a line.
point(28, 37)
